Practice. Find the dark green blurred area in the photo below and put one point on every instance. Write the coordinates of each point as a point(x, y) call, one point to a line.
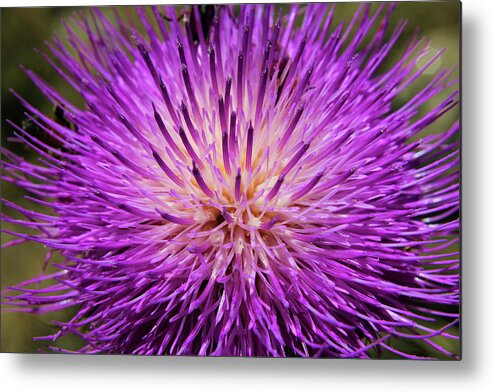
point(23, 29)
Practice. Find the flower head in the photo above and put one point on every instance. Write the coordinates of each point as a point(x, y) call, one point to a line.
point(240, 183)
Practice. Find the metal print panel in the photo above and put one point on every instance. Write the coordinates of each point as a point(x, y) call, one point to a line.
point(233, 180)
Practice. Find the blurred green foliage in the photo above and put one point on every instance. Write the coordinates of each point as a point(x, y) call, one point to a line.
point(23, 29)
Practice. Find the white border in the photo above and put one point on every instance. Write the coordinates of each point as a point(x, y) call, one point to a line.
point(474, 373)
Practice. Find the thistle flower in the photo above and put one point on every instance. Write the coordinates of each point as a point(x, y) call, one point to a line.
point(242, 184)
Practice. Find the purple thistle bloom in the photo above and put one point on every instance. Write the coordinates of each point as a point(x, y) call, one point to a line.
point(241, 184)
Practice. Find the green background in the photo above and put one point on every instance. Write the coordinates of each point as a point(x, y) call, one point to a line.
point(23, 29)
